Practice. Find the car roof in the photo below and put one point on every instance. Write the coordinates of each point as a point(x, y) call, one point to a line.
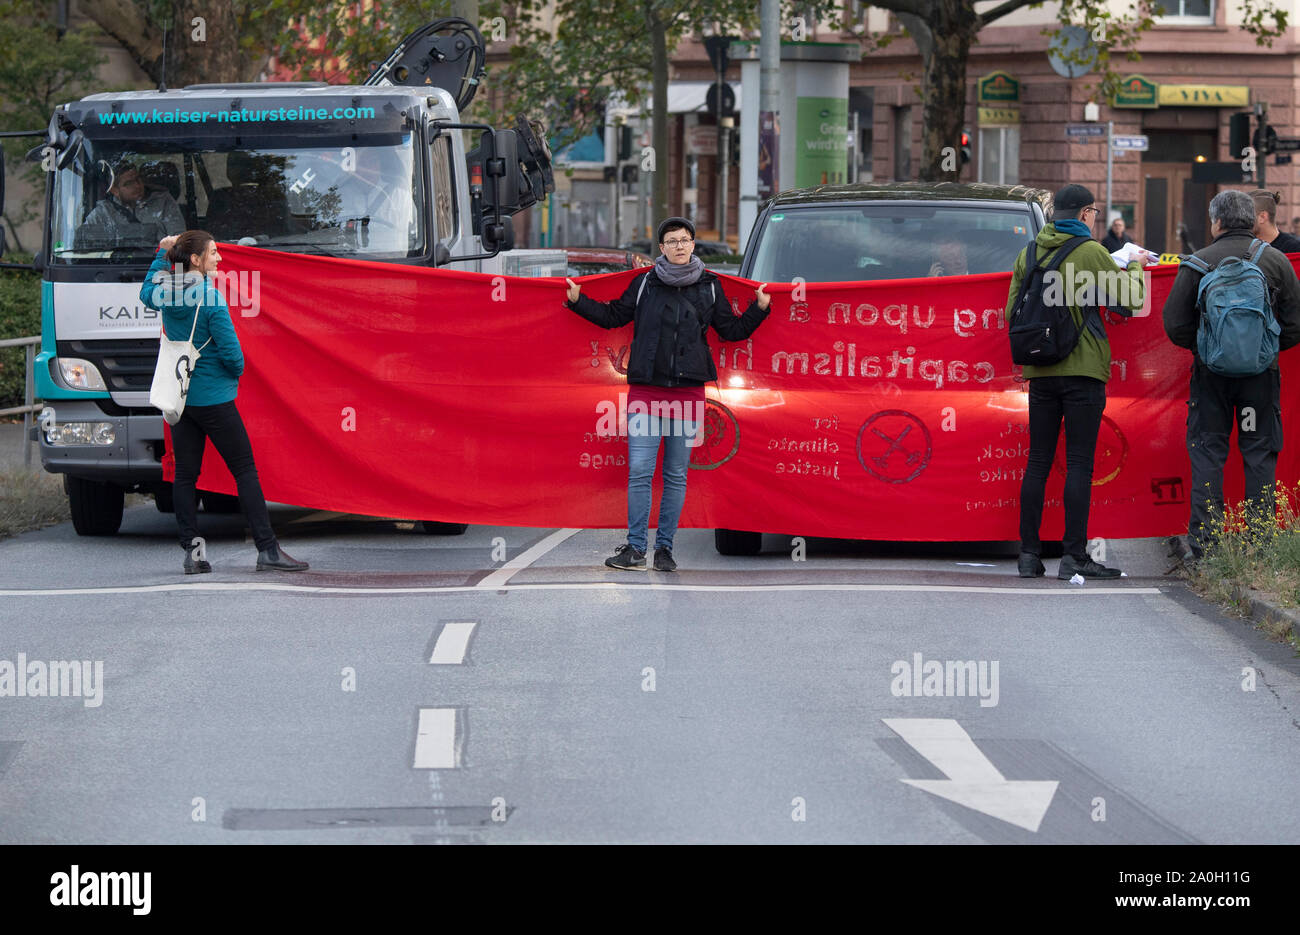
point(911, 191)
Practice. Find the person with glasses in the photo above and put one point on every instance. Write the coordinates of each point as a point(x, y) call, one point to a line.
point(671, 307)
point(1072, 391)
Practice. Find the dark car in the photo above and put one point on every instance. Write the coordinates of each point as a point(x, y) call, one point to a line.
point(588, 261)
point(847, 233)
point(904, 230)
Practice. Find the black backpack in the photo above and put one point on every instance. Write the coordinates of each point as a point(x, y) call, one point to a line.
point(1043, 334)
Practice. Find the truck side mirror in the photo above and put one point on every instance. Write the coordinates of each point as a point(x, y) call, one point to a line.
point(441, 255)
point(499, 234)
point(502, 167)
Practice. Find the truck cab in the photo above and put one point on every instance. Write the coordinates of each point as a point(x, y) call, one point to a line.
point(375, 172)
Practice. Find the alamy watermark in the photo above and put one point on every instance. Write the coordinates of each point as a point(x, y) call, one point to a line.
point(56, 679)
point(656, 418)
point(947, 678)
point(241, 290)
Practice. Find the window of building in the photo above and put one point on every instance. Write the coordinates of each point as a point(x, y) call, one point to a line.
point(999, 155)
point(1185, 10)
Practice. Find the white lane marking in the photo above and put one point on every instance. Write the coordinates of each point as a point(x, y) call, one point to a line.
point(436, 739)
point(524, 559)
point(575, 586)
point(973, 780)
point(452, 643)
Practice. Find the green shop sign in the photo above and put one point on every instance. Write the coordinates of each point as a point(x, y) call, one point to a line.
point(1136, 91)
point(999, 88)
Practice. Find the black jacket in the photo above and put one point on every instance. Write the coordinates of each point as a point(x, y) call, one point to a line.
point(1182, 317)
point(1113, 243)
point(670, 345)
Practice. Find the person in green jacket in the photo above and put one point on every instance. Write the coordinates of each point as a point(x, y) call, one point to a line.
point(210, 411)
point(1072, 391)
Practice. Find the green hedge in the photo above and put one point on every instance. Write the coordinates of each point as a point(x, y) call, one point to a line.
point(20, 316)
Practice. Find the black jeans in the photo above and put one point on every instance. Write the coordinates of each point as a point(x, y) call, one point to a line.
point(1079, 402)
point(222, 424)
point(1214, 403)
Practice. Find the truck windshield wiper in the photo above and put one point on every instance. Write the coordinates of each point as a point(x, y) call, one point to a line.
point(316, 248)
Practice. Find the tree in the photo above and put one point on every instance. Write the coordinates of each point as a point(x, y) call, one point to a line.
point(49, 71)
point(206, 40)
point(598, 47)
point(945, 30)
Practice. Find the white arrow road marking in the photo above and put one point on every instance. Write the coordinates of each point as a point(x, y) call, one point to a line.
point(973, 781)
point(452, 643)
point(438, 739)
point(524, 559)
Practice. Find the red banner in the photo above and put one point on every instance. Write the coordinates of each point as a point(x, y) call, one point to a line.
point(870, 411)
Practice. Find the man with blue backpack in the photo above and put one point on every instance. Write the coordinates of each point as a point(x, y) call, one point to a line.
point(1235, 304)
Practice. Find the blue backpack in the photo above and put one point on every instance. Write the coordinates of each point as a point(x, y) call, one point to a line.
point(1238, 334)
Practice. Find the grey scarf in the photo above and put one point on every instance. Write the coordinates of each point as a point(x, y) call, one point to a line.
point(679, 274)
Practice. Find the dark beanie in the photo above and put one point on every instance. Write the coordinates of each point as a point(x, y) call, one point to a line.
point(675, 222)
point(1072, 198)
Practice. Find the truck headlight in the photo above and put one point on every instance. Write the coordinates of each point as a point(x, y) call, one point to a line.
point(80, 374)
point(64, 434)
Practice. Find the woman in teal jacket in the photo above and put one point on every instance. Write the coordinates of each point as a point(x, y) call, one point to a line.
point(210, 411)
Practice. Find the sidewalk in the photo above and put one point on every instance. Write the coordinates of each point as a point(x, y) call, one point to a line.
point(11, 449)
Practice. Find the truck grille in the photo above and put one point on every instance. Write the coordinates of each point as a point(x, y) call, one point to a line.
point(126, 363)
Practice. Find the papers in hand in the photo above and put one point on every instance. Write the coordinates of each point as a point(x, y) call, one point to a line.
point(1130, 252)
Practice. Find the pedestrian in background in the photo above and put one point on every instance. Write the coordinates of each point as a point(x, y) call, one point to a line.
point(210, 411)
point(1265, 228)
point(671, 306)
point(1115, 236)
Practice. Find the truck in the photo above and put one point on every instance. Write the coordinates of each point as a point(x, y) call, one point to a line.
point(379, 171)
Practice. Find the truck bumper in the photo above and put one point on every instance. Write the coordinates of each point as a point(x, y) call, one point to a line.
point(135, 457)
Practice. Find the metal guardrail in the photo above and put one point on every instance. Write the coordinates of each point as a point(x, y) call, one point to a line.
point(29, 382)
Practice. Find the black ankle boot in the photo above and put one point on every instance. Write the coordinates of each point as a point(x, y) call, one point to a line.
point(193, 564)
point(277, 559)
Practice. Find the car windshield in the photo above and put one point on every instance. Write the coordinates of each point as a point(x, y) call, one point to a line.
point(890, 241)
point(116, 201)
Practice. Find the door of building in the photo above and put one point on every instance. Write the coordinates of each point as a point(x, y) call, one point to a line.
point(1171, 199)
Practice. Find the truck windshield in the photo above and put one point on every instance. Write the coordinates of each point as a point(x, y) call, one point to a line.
point(117, 200)
point(889, 241)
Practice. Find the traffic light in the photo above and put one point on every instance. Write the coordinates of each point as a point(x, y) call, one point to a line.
point(1265, 139)
point(965, 147)
point(624, 142)
point(1238, 134)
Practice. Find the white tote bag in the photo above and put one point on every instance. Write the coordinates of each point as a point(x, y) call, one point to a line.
point(171, 377)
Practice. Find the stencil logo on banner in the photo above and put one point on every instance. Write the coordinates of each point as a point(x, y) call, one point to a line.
point(721, 438)
point(1167, 491)
point(1112, 452)
point(894, 446)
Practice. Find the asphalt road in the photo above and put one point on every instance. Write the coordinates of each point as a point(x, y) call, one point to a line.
point(740, 700)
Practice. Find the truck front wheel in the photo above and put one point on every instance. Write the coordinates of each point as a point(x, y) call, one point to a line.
point(96, 506)
point(736, 542)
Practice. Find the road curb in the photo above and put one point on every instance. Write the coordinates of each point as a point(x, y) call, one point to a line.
point(1263, 610)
